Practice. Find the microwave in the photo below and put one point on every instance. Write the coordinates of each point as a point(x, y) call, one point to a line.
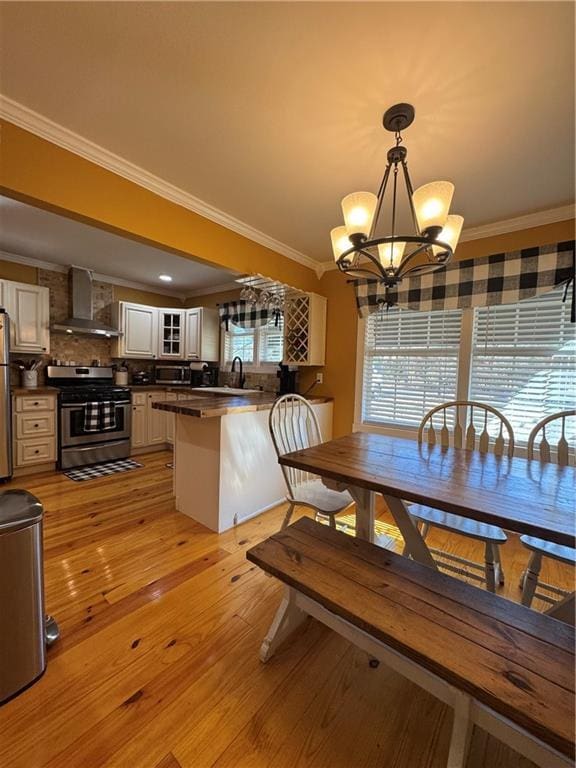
point(172, 374)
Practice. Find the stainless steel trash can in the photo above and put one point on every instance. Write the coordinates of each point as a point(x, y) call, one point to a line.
point(22, 634)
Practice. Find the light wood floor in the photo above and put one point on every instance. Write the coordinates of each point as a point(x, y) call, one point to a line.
point(157, 666)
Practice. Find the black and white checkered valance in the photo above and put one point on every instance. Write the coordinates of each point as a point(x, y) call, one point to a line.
point(503, 278)
point(243, 314)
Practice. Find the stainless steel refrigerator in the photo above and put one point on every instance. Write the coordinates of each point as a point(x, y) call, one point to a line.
point(5, 399)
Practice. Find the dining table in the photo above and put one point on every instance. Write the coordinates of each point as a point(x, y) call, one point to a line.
point(527, 497)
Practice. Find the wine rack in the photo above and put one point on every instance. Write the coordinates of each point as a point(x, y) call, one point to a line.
point(304, 329)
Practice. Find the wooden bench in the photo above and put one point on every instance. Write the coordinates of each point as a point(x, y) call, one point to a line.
point(501, 666)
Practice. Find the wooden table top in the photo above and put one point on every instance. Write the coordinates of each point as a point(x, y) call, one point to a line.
point(204, 406)
point(518, 495)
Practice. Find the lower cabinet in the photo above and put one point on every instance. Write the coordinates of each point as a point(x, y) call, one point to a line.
point(150, 427)
point(34, 431)
point(170, 419)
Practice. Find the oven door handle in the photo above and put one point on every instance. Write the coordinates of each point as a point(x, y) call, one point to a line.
point(83, 405)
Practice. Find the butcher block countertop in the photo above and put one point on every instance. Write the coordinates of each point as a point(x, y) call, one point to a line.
point(34, 391)
point(207, 406)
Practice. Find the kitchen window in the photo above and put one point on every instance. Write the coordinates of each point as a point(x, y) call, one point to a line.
point(258, 347)
point(520, 358)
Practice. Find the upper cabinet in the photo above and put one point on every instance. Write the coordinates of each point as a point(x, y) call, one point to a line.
point(202, 334)
point(166, 334)
point(171, 334)
point(28, 307)
point(305, 330)
point(139, 327)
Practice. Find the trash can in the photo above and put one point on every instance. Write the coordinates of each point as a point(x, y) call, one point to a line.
point(22, 627)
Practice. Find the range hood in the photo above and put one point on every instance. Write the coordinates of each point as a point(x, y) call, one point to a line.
point(82, 319)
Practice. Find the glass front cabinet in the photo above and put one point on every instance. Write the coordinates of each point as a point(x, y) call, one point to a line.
point(171, 334)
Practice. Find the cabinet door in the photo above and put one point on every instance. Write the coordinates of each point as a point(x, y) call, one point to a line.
point(193, 333)
point(170, 419)
point(28, 307)
point(140, 331)
point(139, 434)
point(170, 334)
point(156, 419)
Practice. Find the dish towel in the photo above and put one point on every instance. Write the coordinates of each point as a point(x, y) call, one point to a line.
point(108, 415)
point(92, 417)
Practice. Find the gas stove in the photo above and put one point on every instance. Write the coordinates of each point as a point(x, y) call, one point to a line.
point(79, 386)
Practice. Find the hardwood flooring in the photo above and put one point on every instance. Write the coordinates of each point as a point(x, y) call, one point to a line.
point(157, 666)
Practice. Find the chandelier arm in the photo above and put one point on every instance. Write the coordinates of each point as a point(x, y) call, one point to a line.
point(410, 190)
point(381, 193)
point(394, 192)
point(421, 269)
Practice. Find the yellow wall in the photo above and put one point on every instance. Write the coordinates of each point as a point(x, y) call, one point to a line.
point(38, 172)
point(213, 299)
point(123, 293)
point(20, 273)
point(340, 370)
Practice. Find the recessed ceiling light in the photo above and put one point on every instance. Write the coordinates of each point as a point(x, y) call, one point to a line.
point(165, 278)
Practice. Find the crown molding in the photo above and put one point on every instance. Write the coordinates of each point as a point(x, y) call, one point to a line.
point(42, 126)
point(529, 221)
point(39, 264)
point(213, 289)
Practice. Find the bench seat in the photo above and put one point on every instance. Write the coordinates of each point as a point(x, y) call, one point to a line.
point(513, 661)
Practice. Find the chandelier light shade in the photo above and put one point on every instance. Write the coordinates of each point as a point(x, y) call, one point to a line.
point(432, 203)
point(361, 250)
point(450, 233)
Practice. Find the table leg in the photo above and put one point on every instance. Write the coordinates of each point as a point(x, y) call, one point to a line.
point(415, 544)
point(364, 501)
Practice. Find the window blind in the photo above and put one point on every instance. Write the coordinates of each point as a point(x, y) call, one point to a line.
point(271, 342)
point(523, 359)
point(239, 341)
point(410, 364)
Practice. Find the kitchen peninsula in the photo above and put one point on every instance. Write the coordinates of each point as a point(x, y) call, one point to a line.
point(225, 466)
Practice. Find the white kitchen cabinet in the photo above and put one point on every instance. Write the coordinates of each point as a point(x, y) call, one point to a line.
point(202, 334)
point(139, 327)
point(171, 334)
point(34, 431)
point(139, 431)
point(170, 419)
point(29, 309)
point(305, 329)
point(156, 419)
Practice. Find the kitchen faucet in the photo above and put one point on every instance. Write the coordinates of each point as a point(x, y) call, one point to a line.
point(241, 378)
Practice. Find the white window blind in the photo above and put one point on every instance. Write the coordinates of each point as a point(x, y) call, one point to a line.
point(410, 364)
point(523, 359)
point(271, 342)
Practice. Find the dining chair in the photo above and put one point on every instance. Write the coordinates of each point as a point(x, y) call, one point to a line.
point(553, 448)
point(294, 426)
point(473, 426)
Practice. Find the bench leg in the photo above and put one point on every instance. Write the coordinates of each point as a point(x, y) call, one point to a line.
point(530, 578)
point(287, 619)
point(461, 731)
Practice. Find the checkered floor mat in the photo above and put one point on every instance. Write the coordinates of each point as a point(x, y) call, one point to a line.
point(100, 470)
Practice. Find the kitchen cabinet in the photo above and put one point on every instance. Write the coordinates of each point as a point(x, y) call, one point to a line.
point(171, 334)
point(165, 333)
point(170, 419)
point(156, 419)
point(139, 429)
point(29, 309)
point(34, 431)
point(305, 329)
point(202, 334)
point(139, 327)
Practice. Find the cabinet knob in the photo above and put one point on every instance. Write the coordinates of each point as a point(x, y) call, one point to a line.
point(36, 426)
point(36, 403)
point(37, 451)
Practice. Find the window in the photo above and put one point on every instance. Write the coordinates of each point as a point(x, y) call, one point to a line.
point(256, 346)
point(410, 364)
point(523, 360)
point(520, 358)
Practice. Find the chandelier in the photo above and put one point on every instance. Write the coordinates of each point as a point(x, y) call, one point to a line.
point(359, 253)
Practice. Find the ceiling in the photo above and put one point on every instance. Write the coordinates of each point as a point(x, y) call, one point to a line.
point(271, 112)
point(37, 234)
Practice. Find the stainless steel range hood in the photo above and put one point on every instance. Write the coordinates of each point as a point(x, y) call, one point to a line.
point(82, 320)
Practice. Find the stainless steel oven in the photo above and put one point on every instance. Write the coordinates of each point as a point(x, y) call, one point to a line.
point(85, 388)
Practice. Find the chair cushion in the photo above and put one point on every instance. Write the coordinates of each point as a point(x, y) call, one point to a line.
point(462, 525)
point(548, 548)
point(315, 494)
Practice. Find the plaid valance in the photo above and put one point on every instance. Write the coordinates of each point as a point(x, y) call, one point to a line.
point(246, 315)
point(503, 278)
